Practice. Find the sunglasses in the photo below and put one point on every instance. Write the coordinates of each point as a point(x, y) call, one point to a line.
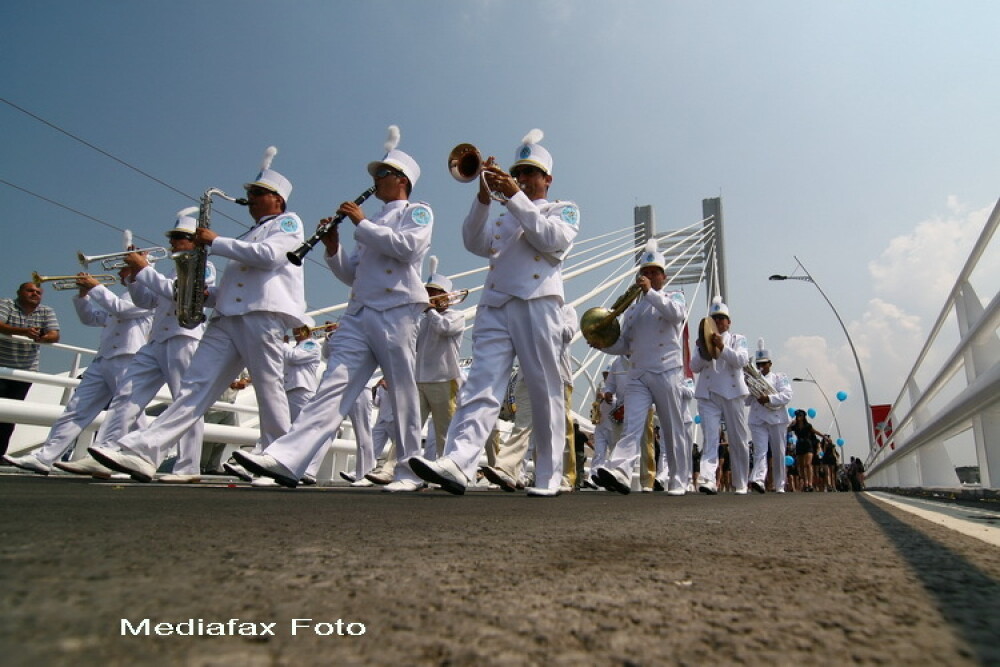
point(382, 172)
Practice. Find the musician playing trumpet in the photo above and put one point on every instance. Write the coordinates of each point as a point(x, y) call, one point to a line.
point(767, 423)
point(651, 337)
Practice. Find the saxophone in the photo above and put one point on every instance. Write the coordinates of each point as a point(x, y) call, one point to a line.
point(192, 266)
point(758, 385)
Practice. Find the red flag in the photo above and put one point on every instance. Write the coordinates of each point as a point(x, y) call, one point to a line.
point(881, 423)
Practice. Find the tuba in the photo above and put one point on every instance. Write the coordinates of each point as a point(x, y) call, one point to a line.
point(759, 386)
point(600, 327)
point(192, 266)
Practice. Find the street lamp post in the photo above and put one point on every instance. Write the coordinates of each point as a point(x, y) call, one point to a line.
point(861, 374)
point(813, 380)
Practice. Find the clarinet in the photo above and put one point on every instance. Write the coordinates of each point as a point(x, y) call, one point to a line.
point(297, 255)
point(189, 289)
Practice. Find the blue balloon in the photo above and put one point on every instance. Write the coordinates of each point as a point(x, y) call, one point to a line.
point(697, 419)
point(789, 460)
point(791, 412)
point(840, 442)
point(841, 396)
point(811, 413)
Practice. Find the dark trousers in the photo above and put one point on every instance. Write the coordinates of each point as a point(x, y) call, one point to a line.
point(16, 391)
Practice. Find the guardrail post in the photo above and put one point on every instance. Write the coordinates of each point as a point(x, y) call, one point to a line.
point(980, 357)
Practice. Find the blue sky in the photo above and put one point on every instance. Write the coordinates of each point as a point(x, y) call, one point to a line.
point(858, 136)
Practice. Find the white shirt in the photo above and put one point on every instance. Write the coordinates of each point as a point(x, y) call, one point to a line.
point(439, 340)
point(156, 290)
point(126, 325)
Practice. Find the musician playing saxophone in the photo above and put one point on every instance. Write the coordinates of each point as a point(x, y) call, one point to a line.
point(767, 424)
point(259, 296)
point(651, 337)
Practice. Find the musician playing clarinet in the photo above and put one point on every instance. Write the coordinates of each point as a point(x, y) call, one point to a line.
point(378, 328)
point(259, 296)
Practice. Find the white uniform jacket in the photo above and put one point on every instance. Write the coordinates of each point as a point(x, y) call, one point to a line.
point(651, 333)
point(302, 364)
point(259, 276)
point(723, 376)
point(525, 246)
point(155, 290)
point(383, 270)
point(760, 414)
point(126, 325)
point(439, 340)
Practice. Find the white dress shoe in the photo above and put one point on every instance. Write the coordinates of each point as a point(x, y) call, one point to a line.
point(362, 483)
point(347, 477)
point(741, 492)
point(403, 486)
point(676, 492)
point(500, 478)
point(28, 462)
point(136, 466)
point(267, 466)
point(236, 470)
point(614, 480)
point(179, 479)
point(708, 488)
point(264, 482)
point(88, 465)
point(379, 477)
point(443, 472)
point(308, 480)
point(538, 492)
point(757, 487)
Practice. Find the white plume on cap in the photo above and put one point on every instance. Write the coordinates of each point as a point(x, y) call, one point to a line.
point(393, 140)
point(189, 211)
point(432, 264)
point(716, 300)
point(268, 156)
point(760, 344)
point(533, 137)
point(127, 239)
point(651, 246)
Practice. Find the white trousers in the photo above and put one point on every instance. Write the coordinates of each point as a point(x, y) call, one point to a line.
point(713, 410)
point(365, 340)
point(253, 341)
point(97, 387)
point(156, 363)
point(660, 390)
point(768, 437)
point(532, 331)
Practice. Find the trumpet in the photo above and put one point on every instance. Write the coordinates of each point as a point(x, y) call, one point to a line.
point(116, 260)
point(62, 283)
point(448, 299)
point(465, 163)
point(321, 331)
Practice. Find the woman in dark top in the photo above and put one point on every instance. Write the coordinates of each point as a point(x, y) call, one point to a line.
point(806, 442)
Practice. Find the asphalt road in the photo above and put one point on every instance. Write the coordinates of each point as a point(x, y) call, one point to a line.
point(485, 579)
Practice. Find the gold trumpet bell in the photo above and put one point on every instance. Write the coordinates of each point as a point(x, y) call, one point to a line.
point(465, 162)
point(600, 327)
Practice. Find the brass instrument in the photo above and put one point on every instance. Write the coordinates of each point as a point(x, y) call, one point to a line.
point(448, 299)
point(62, 283)
point(116, 260)
point(707, 329)
point(758, 385)
point(323, 330)
point(600, 326)
point(189, 290)
point(465, 163)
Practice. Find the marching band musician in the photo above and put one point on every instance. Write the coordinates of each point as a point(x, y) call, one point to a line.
point(260, 295)
point(607, 431)
point(378, 327)
point(720, 391)
point(164, 359)
point(767, 423)
point(125, 327)
point(651, 337)
point(439, 340)
point(519, 313)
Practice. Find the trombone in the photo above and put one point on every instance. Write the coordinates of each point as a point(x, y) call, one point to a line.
point(448, 299)
point(465, 163)
point(116, 260)
point(62, 283)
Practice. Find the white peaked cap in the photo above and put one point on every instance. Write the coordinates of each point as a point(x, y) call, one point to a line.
point(186, 223)
point(269, 178)
point(651, 256)
point(396, 158)
point(718, 307)
point(531, 153)
point(762, 354)
point(435, 279)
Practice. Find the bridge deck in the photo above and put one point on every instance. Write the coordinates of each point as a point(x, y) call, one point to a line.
point(489, 578)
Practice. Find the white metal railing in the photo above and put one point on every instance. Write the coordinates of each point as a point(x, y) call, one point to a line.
point(934, 408)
